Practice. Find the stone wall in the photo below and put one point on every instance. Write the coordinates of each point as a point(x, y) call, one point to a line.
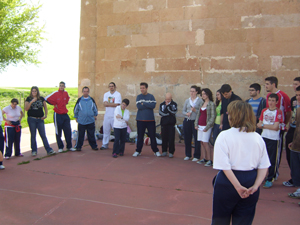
point(172, 44)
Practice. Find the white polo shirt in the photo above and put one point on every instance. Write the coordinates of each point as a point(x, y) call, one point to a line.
point(12, 114)
point(235, 150)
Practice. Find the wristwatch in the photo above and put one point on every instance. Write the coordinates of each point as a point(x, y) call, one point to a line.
point(262, 125)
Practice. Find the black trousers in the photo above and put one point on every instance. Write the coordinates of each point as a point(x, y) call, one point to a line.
point(272, 149)
point(168, 138)
point(227, 204)
point(141, 128)
point(120, 139)
point(90, 129)
point(190, 132)
point(288, 139)
point(1, 140)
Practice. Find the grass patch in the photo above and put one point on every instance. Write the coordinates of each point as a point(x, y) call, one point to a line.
point(24, 162)
point(8, 93)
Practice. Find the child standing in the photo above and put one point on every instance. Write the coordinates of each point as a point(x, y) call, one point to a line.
point(121, 117)
point(269, 121)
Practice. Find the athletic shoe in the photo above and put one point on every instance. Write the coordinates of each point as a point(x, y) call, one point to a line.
point(115, 155)
point(136, 154)
point(164, 154)
point(121, 154)
point(78, 149)
point(7, 157)
point(202, 161)
point(2, 167)
point(186, 158)
point(52, 152)
point(170, 155)
point(60, 150)
point(71, 149)
point(157, 154)
point(33, 153)
point(296, 194)
point(195, 160)
point(288, 183)
point(21, 155)
point(268, 184)
point(208, 163)
point(103, 148)
point(96, 149)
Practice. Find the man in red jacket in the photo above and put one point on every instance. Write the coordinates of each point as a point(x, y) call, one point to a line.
point(60, 99)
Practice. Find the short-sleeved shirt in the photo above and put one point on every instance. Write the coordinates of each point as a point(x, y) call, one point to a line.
point(36, 108)
point(111, 98)
point(270, 117)
point(238, 150)
point(254, 104)
point(12, 114)
point(284, 104)
point(218, 113)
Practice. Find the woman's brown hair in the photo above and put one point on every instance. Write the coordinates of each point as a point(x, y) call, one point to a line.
point(241, 116)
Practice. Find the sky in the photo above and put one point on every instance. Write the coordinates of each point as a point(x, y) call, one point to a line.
point(58, 54)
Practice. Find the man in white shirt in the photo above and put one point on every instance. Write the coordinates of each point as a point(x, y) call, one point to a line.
point(111, 100)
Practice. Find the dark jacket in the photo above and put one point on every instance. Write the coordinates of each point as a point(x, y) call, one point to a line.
point(168, 113)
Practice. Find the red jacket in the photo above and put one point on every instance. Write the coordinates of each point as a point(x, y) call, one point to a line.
point(59, 99)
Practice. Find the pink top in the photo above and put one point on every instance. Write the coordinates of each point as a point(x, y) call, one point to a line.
point(202, 117)
point(12, 114)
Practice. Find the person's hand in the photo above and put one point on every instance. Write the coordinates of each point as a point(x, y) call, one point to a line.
point(189, 114)
point(196, 128)
point(44, 117)
point(8, 122)
point(193, 109)
point(221, 126)
point(34, 100)
point(243, 192)
point(95, 117)
point(290, 145)
point(204, 130)
point(259, 125)
point(76, 120)
point(252, 190)
point(118, 116)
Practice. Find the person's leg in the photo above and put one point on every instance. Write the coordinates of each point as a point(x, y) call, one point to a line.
point(10, 135)
point(32, 128)
point(151, 133)
point(106, 130)
point(206, 150)
point(41, 128)
point(197, 150)
point(272, 153)
point(216, 132)
point(58, 123)
point(280, 147)
point(188, 133)
point(67, 130)
point(288, 139)
point(1, 141)
point(80, 136)
point(141, 127)
point(122, 140)
point(117, 134)
point(295, 168)
point(171, 138)
point(91, 135)
point(17, 142)
point(164, 138)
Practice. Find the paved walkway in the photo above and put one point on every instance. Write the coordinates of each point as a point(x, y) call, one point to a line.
point(91, 187)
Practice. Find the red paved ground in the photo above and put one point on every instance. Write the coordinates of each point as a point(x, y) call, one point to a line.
point(91, 187)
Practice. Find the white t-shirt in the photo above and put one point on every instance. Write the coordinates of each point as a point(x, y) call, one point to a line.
point(270, 117)
point(235, 150)
point(12, 114)
point(111, 98)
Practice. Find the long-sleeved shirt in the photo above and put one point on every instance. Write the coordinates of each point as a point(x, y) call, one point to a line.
point(225, 103)
point(59, 99)
point(85, 110)
point(121, 122)
point(145, 104)
point(167, 113)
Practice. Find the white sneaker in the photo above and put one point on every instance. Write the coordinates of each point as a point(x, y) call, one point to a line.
point(60, 150)
point(164, 154)
point(170, 155)
point(136, 154)
point(186, 158)
point(72, 149)
point(2, 167)
point(195, 160)
point(208, 163)
point(157, 154)
point(201, 161)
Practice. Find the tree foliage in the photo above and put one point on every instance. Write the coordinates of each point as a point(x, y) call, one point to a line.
point(20, 34)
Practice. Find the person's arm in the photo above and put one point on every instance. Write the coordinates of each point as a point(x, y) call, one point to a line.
point(76, 110)
point(197, 119)
point(261, 174)
point(126, 115)
point(172, 108)
point(22, 114)
point(151, 103)
point(28, 104)
point(274, 126)
point(211, 119)
point(221, 122)
point(1, 157)
point(288, 117)
point(51, 99)
point(140, 103)
point(4, 118)
point(241, 190)
point(46, 110)
point(160, 112)
point(106, 104)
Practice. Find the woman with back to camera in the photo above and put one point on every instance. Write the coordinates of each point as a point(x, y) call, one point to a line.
point(190, 109)
point(36, 105)
point(13, 116)
point(204, 123)
point(241, 156)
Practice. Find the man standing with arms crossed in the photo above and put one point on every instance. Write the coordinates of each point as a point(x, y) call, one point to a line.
point(145, 103)
point(62, 121)
point(111, 100)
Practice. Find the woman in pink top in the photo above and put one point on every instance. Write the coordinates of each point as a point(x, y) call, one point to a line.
point(14, 115)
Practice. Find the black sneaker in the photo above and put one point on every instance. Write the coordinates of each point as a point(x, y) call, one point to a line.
point(115, 155)
point(78, 149)
point(96, 149)
point(121, 154)
point(103, 148)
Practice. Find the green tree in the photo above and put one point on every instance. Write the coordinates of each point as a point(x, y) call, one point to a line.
point(20, 34)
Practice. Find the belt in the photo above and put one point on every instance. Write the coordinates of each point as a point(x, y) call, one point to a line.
point(35, 117)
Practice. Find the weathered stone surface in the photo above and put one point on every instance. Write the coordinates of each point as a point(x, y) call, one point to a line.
point(144, 40)
point(225, 36)
point(291, 63)
point(168, 51)
point(177, 38)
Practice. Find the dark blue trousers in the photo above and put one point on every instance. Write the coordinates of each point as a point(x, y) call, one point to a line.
point(120, 139)
point(141, 128)
point(12, 138)
point(62, 122)
point(1, 140)
point(90, 129)
point(227, 204)
point(190, 132)
point(272, 149)
point(168, 138)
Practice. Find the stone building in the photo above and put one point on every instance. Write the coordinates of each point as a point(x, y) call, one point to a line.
point(172, 44)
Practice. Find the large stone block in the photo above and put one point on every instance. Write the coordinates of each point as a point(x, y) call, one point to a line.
point(289, 34)
point(247, 9)
point(120, 53)
point(198, 12)
point(174, 26)
point(204, 24)
point(152, 4)
point(177, 64)
point(87, 54)
point(243, 49)
point(107, 66)
point(104, 8)
point(225, 36)
point(264, 63)
point(228, 23)
point(138, 40)
point(260, 35)
point(118, 30)
point(272, 48)
point(242, 63)
point(111, 42)
point(220, 10)
point(208, 50)
point(87, 42)
point(285, 79)
point(291, 63)
point(168, 51)
point(137, 66)
point(147, 28)
point(177, 38)
point(100, 54)
point(280, 7)
point(125, 6)
point(87, 66)
point(168, 14)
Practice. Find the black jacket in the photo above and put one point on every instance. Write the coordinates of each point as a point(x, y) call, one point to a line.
point(168, 113)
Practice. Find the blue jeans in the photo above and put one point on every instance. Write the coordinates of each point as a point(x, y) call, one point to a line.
point(37, 124)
